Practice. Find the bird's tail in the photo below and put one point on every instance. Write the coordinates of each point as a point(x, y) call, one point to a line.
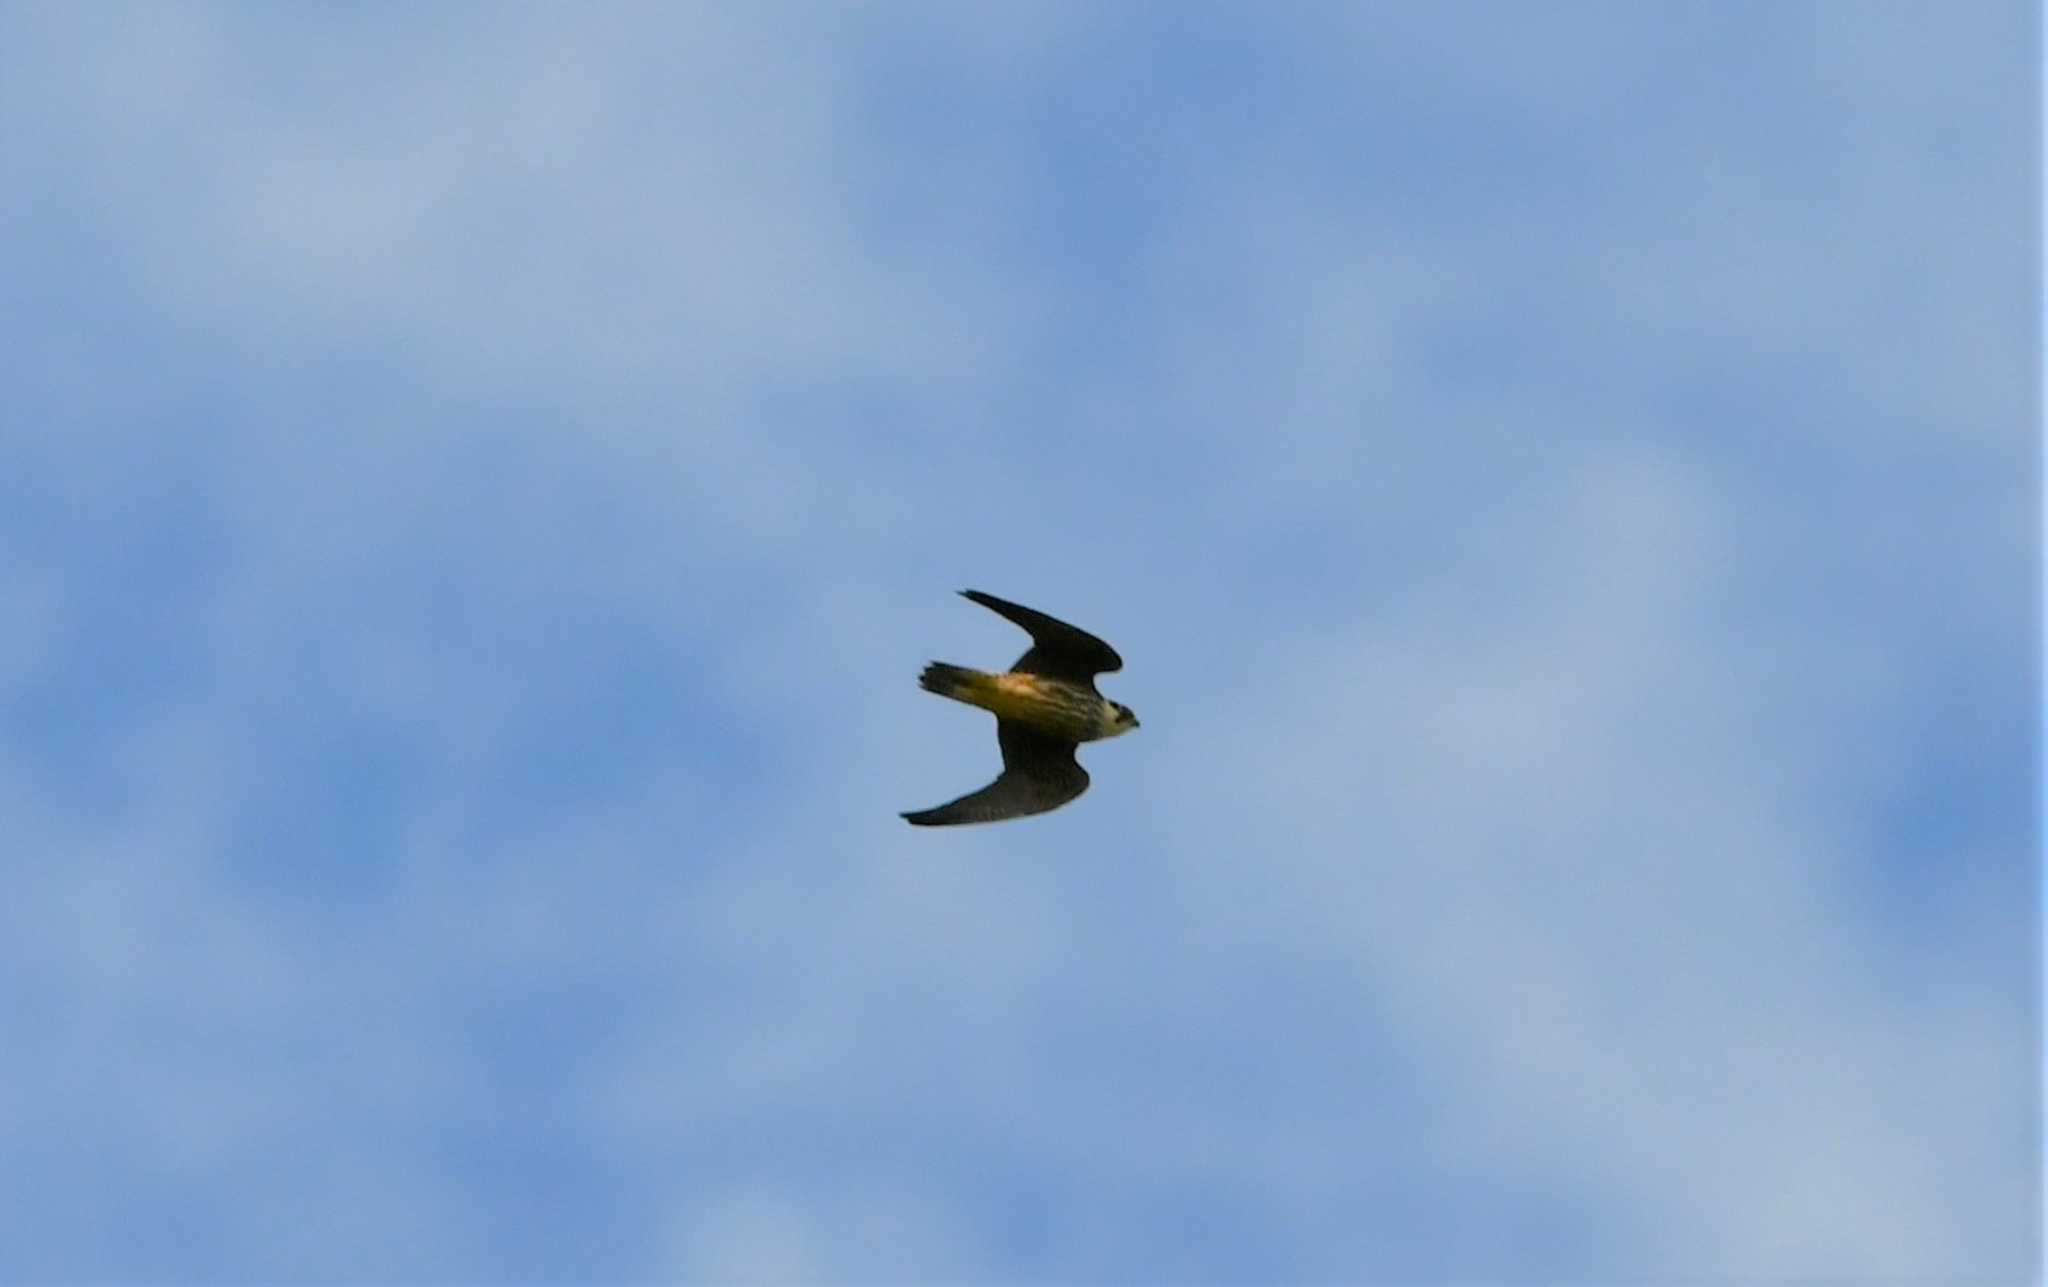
point(974, 687)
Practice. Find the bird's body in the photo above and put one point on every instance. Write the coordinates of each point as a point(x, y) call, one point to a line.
point(1045, 706)
point(1057, 707)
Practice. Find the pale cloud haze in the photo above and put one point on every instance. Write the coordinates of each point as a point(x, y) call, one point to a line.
point(477, 485)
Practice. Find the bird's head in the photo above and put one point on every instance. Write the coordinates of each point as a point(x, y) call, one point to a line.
point(1121, 720)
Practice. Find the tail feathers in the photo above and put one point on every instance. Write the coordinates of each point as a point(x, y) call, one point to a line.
point(956, 682)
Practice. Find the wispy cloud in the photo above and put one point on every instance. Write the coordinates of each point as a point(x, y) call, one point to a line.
point(480, 482)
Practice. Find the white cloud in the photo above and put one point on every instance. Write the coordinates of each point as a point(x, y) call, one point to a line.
point(1505, 851)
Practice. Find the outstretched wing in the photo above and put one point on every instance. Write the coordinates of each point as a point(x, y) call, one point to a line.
point(1058, 650)
point(1039, 774)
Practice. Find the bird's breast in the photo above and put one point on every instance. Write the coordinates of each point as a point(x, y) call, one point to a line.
point(1050, 705)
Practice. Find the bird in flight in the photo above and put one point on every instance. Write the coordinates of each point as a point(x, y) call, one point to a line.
point(1045, 706)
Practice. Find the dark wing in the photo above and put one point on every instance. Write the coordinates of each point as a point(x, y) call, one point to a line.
point(1039, 774)
point(1058, 650)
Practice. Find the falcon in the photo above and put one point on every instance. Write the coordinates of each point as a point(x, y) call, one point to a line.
point(1045, 706)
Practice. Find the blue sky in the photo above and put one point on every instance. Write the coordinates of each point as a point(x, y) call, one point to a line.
point(478, 485)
